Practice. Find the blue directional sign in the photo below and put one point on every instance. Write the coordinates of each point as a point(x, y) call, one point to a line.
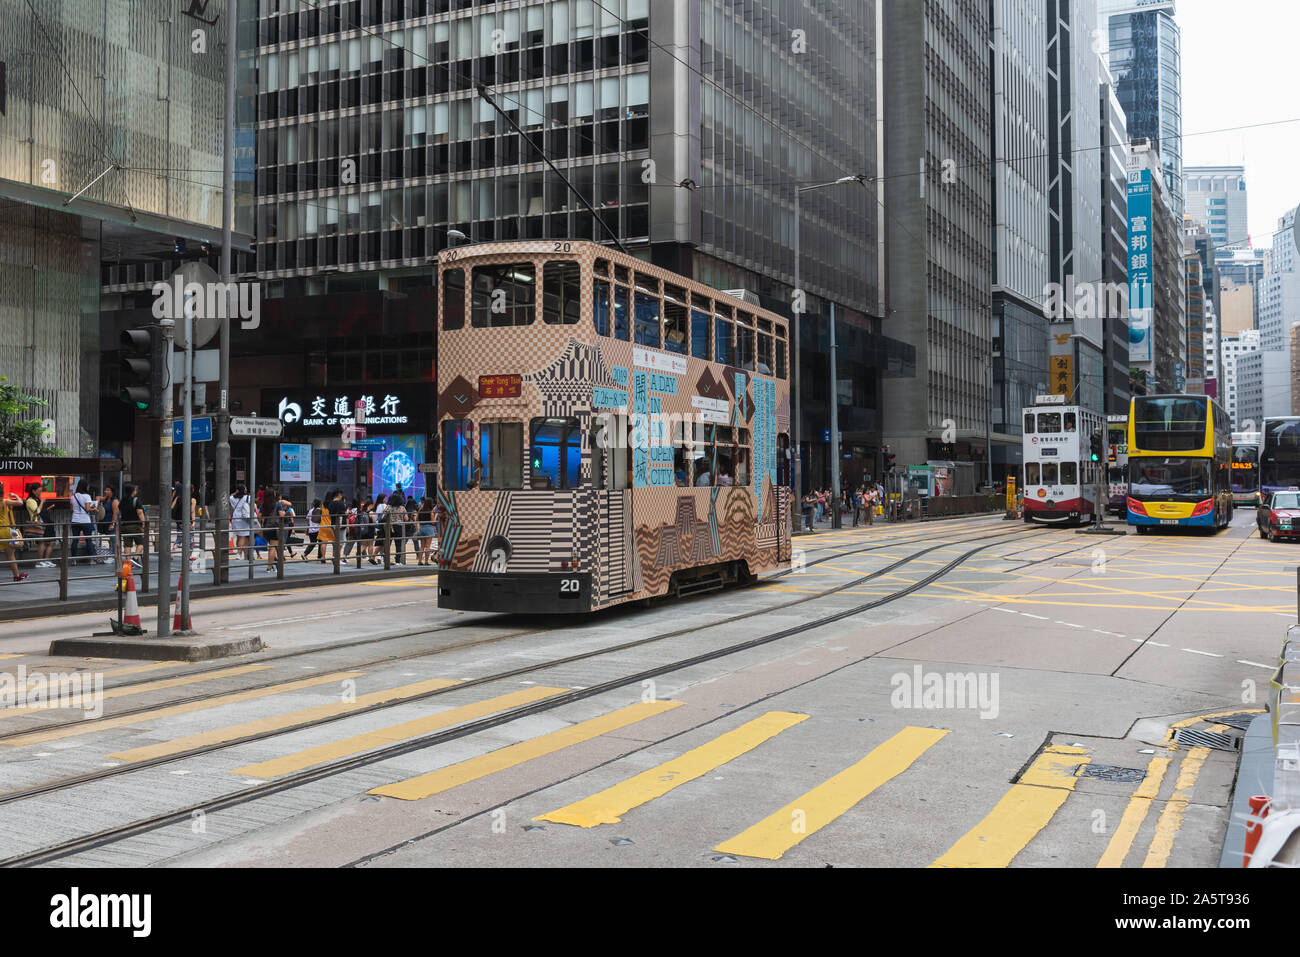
point(367, 443)
point(200, 430)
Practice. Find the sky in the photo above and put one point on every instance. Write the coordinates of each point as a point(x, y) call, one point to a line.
point(1241, 65)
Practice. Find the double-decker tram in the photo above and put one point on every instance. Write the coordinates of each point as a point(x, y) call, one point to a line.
point(1245, 468)
point(1061, 482)
point(1180, 462)
point(609, 431)
point(1116, 462)
point(1279, 455)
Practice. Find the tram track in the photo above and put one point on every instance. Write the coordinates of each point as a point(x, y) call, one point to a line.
point(298, 779)
point(422, 653)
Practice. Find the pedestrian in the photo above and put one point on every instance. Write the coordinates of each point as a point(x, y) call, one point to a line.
point(110, 509)
point(241, 516)
point(869, 504)
point(83, 519)
point(10, 536)
point(313, 530)
point(397, 523)
point(39, 528)
point(809, 505)
point(271, 517)
point(425, 543)
point(366, 522)
point(132, 523)
point(287, 524)
point(325, 529)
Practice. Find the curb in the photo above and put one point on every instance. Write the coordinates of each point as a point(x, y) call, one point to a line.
point(82, 606)
point(194, 648)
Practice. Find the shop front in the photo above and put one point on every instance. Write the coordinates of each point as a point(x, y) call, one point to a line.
point(312, 458)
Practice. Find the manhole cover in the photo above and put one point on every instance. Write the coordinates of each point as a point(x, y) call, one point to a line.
point(1110, 772)
point(1239, 721)
point(1216, 740)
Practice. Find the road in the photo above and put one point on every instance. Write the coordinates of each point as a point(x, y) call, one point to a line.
point(961, 693)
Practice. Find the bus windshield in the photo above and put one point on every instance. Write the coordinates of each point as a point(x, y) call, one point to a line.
point(1245, 468)
point(1279, 458)
point(1169, 479)
point(1169, 423)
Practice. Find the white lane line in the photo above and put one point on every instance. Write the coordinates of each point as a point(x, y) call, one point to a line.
point(1254, 664)
point(1159, 644)
point(1009, 611)
point(1068, 624)
point(1208, 654)
point(1039, 617)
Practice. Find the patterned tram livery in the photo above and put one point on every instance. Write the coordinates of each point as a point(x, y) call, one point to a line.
point(608, 430)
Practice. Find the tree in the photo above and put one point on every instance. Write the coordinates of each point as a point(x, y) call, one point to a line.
point(16, 430)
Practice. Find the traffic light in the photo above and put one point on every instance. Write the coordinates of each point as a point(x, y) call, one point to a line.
point(889, 460)
point(1095, 441)
point(143, 369)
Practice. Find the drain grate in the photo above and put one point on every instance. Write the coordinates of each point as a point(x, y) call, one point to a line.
point(1110, 772)
point(1216, 740)
point(1239, 721)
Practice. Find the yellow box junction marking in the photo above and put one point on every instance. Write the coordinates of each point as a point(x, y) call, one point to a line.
point(810, 812)
point(1136, 812)
point(1023, 811)
point(1171, 818)
point(100, 724)
point(606, 806)
point(444, 779)
point(279, 722)
point(409, 729)
point(151, 686)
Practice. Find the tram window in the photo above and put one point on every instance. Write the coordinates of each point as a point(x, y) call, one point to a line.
point(780, 359)
point(457, 454)
point(1069, 422)
point(647, 319)
point(556, 450)
point(453, 299)
point(1049, 473)
point(609, 458)
point(783, 459)
point(699, 334)
point(504, 295)
point(764, 354)
point(1069, 473)
point(501, 452)
point(681, 466)
point(1049, 422)
point(675, 326)
point(744, 347)
point(742, 465)
point(621, 313)
point(620, 273)
point(561, 299)
point(723, 349)
point(600, 306)
point(1029, 423)
point(602, 267)
point(1031, 474)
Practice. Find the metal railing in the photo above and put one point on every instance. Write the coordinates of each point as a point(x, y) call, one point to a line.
point(77, 552)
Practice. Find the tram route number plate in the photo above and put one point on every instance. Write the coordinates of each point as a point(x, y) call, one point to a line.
point(570, 587)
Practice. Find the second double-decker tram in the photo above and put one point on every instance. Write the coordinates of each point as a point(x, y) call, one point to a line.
point(1180, 462)
point(1279, 455)
point(609, 430)
point(1061, 482)
point(1245, 468)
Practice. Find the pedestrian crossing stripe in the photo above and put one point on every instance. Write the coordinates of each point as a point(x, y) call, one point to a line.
point(809, 813)
point(1021, 813)
point(281, 722)
point(606, 806)
point(148, 686)
point(355, 744)
point(101, 724)
point(444, 779)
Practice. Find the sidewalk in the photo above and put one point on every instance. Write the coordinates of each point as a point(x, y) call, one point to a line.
point(91, 586)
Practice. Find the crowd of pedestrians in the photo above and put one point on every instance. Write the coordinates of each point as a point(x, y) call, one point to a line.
point(862, 504)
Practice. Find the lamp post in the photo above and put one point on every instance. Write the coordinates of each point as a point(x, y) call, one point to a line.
point(798, 307)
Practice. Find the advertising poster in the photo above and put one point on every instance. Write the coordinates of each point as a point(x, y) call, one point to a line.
point(398, 462)
point(295, 463)
point(1139, 265)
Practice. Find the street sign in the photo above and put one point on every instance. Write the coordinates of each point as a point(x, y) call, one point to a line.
point(206, 322)
point(349, 454)
point(200, 430)
point(368, 443)
point(251, 427)
point(351, 431)
point(428, 467)
point(359, 415)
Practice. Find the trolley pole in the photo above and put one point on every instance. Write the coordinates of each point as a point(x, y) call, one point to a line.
point(164, 489)
point(837, 520)
point(221, 552)
point(187, 520)
point(797, 307)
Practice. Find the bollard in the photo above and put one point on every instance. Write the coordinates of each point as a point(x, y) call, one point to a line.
point(63, 562)
point(144, 555)
point(388, 530)
point(279, 552)
point(341, 529)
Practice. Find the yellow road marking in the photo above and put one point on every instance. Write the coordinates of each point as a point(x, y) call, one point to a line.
point(408, 729)
point(280, 721)
point(435, 782)
point(606, 806)
point(401, 584)
point(10, 656)
point(1171, 818)
point(1023, 811)
point(1136, 812)
point(111, 673)
point(151, 686)
point(810, 812)
point(84, 727)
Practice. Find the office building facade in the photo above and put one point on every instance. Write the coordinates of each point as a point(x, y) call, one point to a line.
point(1216, 196)
point(1278, 298)
point(1114, 248)
point(1234, 384)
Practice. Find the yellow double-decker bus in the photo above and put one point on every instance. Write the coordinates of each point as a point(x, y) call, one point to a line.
point(1180, 462)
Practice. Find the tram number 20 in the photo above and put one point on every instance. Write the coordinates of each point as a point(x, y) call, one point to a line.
point(570, 587)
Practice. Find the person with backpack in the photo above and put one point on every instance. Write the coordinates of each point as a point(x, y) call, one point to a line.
point(39, 529)
point(84, 512)
point(131, 522)
point(272, 517)
point(313, 530)
point(241, 519)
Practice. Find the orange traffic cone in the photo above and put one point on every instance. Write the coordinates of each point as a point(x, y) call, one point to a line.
point(177, 623)
point(131, 610)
